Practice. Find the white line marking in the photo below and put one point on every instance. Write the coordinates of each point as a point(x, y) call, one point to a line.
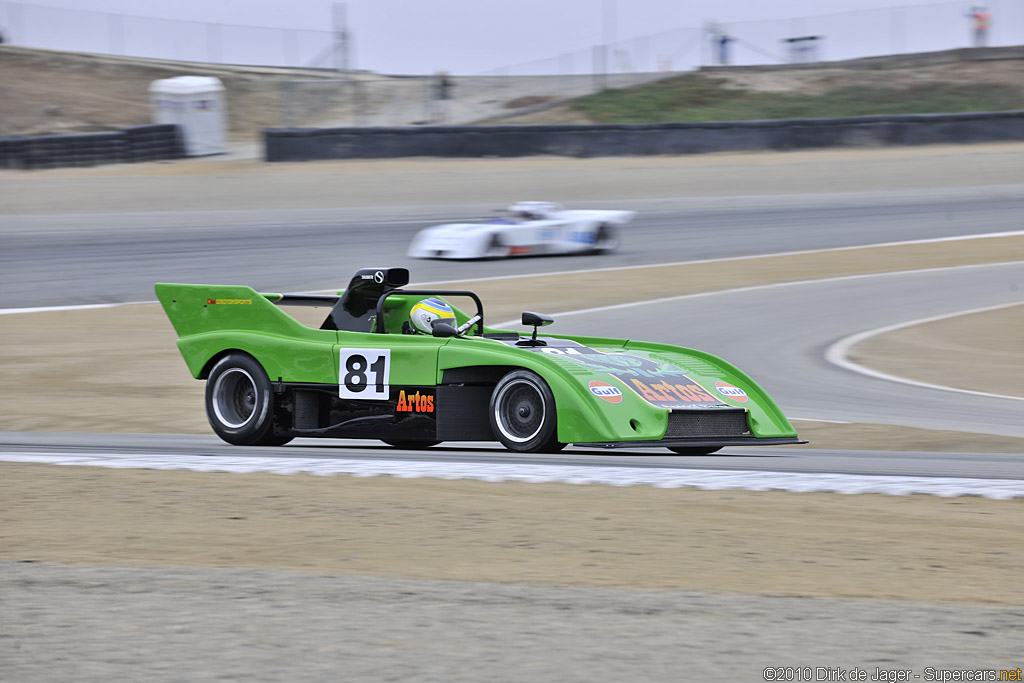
point(736, 290)
point(80, 307)
point(839, 353)
point(750, 480)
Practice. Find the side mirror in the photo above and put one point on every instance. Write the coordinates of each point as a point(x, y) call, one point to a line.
point(440, 329)
point(536, 319)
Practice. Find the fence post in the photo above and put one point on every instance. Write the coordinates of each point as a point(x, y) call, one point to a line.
point(285, 105)
point(600, 69)
point(340, 37)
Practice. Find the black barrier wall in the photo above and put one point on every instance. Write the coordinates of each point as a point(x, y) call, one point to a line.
point(308, 144)
point(138, 143)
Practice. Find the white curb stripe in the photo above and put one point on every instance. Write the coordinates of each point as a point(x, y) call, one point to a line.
point(1002, 489)
point(839, 353)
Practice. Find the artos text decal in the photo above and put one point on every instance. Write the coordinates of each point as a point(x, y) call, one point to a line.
point(414, 402)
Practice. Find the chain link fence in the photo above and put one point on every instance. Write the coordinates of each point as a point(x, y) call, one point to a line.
point(368, 99)
point(844, 35)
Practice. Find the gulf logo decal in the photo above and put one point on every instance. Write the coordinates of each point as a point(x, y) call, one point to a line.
point(728, 390)
point(605, 391)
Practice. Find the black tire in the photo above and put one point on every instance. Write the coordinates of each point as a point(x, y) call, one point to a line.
point(410, 445)
point(522, 414)
point(693, 450)
point(496, 247)
point(605, 239)
point(240, 402)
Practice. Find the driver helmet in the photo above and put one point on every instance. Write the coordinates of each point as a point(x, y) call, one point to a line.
point(429, 311)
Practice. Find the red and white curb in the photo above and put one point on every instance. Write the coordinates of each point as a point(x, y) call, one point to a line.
point(947, 487)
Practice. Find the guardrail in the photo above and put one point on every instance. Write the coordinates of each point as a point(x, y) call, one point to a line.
point(308, 144)
point(137, 143)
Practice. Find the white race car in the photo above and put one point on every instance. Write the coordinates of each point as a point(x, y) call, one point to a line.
point(527, 228)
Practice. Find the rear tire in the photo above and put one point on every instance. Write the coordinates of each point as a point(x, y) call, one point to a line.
point(605, 239)
point(693, 450)
point(522, 414)
point(240, 402)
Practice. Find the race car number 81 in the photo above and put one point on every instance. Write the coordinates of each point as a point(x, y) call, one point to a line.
point(364, 373)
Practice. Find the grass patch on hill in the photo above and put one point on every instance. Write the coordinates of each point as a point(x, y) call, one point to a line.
point(700, 98)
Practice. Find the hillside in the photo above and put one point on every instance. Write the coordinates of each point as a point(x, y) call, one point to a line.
point(954, 81)
point(52, 92)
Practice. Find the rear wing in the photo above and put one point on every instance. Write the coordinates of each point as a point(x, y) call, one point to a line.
point(203, 309)
point(199, 309)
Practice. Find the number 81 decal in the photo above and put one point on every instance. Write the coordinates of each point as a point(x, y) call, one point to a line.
point(364, 373)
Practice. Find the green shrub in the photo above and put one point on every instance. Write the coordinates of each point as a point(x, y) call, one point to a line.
point(695, 97)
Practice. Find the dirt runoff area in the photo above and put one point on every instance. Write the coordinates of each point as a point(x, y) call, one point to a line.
point(770, 543)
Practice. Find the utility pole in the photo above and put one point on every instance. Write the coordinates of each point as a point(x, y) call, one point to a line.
point(610, 21)
point(341, 37)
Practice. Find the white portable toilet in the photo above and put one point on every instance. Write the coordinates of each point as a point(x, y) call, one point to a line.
point(197, 104)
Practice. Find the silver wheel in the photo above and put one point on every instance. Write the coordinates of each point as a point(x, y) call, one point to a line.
point(234, 398)
point(240, 402)
point(519, 410)
point(522, 413)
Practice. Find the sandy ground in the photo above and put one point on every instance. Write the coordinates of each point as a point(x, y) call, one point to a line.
point(903, 547)
point(978, 352)
point(122, 373)
point(215, 184)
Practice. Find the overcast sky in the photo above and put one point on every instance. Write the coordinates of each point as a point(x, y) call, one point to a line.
point(475, 36)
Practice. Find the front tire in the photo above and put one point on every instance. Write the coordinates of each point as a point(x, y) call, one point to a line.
point(496, 247)
point(240, 402)
point(522, 414)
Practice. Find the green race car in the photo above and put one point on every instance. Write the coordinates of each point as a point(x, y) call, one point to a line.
point(408, 368)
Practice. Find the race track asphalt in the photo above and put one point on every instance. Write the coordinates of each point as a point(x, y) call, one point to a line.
point(67, 259)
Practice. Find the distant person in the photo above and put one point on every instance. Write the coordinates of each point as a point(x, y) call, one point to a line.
point(441, 93)
point(980, 22)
